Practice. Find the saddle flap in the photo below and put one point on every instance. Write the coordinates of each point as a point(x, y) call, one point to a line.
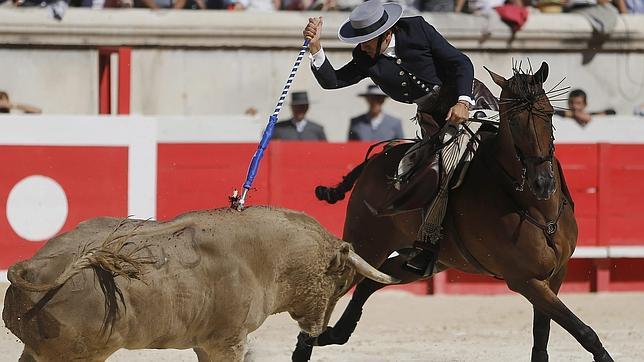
point(415, 181)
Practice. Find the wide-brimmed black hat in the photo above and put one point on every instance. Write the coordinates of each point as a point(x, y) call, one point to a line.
point(368, 20)
point(299, 99)
point(373, 90)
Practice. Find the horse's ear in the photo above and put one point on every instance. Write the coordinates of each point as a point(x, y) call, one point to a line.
point(542, 74)
point(502, 82)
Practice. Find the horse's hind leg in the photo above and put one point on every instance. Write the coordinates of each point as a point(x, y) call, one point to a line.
point(343, 328)
point(541, 322)
point(546, 301)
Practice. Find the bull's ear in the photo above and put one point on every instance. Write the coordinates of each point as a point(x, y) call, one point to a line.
point(339, 260)
point(542, 74)
point(502, 82)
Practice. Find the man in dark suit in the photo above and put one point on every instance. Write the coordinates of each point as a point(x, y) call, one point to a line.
point(375, 125)
point(299, 128)
point(412, 63)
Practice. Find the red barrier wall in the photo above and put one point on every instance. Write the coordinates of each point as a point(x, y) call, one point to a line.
point(95, 180)
point(602, 178)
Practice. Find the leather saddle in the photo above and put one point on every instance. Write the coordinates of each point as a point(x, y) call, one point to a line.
point(414, 182)
point(418, 188)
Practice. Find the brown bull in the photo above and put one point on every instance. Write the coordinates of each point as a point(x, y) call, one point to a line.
point(203, 280)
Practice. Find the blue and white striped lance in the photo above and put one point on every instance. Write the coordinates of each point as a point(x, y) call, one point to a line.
point(268, 131)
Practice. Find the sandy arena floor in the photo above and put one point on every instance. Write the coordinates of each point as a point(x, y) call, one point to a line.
point(397, 326)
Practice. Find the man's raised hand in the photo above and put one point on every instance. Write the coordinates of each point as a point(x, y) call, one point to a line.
point(312, 32)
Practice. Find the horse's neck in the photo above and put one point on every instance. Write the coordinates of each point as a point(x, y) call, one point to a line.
point(505, 154)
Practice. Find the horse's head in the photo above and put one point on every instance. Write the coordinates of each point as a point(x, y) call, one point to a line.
point(526, 117)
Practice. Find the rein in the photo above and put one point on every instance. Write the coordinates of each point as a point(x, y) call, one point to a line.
point(549, 228)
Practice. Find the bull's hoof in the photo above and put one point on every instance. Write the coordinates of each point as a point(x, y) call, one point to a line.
point(539, 356)
point(303, 348)
point(328, 194)
point(603, 357)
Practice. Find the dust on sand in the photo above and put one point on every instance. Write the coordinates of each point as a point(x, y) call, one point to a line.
point(397, 326)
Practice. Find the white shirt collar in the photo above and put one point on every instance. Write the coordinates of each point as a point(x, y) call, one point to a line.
point(391, 48)
point(377, 120)
point(299, 126)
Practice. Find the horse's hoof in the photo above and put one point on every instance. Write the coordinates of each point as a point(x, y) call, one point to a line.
point(303, 349)
point(328, 194)
point(331, 336)
point(604, 357)
point(539, 356)
point(302, 354)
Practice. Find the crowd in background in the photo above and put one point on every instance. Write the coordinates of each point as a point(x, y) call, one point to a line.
point(411, 6)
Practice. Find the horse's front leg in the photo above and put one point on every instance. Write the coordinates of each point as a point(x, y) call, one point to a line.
point(541, 323)
point(344, 327)
point(546, 301)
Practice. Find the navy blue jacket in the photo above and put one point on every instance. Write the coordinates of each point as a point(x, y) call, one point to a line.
point(421, 53)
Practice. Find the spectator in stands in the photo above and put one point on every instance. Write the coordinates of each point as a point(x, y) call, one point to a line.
point(577, 102)
point(375, 125)
point(160, 4)
point(639, 110)
point(6, 105)
point(299, 128)
point(255, 5)
point(437, 6)
point(633, 6)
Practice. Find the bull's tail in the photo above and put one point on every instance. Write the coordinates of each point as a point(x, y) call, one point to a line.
point(335, 194)
point(108, 261)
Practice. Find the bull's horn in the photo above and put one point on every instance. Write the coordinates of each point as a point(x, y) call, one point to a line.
point(365, 269)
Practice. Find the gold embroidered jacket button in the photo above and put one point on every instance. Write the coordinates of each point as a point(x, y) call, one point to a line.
point(402, 72)
point(404, 84)
point(398, 61)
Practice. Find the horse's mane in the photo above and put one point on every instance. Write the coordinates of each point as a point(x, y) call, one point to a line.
point(525, 88)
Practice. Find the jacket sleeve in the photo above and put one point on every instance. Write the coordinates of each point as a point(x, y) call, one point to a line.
point(458, 63)
point(398, 129)
point(322, 135)
point(353, 135)
point(329, 78)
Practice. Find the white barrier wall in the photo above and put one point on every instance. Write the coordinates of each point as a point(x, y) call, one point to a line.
point(202, 63)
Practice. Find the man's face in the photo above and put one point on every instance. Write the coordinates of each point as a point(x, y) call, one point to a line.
point(370, 46)
point(576, 104)
point(4, 103)
point(299, 111)
point(375, 103)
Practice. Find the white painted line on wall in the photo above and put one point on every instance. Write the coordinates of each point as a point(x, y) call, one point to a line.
point(626, 251)
point(207, 129)
point(590, 252)
point(137, 133)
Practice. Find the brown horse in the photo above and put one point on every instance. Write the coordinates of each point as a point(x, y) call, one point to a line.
point(494, 225)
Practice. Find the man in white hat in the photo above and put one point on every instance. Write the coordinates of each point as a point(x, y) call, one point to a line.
point(375, 125)
point(412, 63)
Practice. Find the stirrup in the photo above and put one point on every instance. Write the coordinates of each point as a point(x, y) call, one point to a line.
point(422, 263)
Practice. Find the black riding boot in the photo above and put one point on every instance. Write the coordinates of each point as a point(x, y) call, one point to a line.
point(424, 260)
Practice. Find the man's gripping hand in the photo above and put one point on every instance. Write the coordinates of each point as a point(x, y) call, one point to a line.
point(312, 32)
point(459, 112)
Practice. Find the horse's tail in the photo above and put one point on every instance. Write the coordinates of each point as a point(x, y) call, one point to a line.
point(335, 194)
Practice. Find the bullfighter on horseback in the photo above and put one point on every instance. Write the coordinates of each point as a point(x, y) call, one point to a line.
point(412, 63)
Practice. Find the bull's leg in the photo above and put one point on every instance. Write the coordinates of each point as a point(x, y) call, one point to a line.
point(26, 356)
point(344, 327)
point(231, 349)
point(220, 353)
point(541, 323)
point(546, 301)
